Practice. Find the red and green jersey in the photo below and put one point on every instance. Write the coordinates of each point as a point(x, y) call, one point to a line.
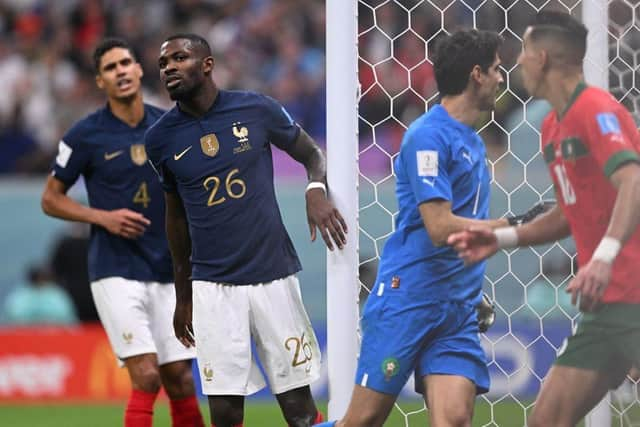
point(583, 147)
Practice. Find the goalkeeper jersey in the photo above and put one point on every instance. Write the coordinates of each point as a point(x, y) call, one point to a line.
point(440, 159)
point(583, 147)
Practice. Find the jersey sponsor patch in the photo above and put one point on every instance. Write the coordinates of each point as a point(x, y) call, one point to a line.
point(608, 123)
point(64, 153)
point(427, 162)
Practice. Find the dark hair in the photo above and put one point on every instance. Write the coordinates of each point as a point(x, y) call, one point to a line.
point(565, 30)
point(457, 54)
point(106, 45)
point(195, 39)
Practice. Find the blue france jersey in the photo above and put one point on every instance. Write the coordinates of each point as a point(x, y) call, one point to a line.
point(111, 156)
point(221, 166)
point(440, 158)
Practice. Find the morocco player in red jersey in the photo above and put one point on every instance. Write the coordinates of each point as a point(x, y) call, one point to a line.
point(584, 146)
point(591, 146)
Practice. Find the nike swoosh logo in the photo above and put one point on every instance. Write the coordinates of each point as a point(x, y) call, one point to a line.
point(179, 155)
point(111, 156)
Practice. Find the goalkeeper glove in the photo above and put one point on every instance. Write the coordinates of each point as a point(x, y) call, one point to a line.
point(486, 313)
point(537, 209)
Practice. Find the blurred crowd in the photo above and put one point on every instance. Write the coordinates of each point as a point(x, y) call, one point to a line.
point(272, 46)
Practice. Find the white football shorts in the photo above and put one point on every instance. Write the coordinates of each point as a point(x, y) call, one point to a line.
point(225, 320)
point(138, 318)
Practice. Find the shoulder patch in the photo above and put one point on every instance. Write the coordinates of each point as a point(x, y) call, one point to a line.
point(64, 153)
point(427, 161)
point(608, 123)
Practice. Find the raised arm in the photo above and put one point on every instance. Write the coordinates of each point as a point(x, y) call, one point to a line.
point(321, 212)
point(122, 222)
point(180, 246)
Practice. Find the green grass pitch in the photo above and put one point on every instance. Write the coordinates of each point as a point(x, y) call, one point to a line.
point(505, 414)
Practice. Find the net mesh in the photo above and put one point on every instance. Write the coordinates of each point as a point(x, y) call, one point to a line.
point(396, 43)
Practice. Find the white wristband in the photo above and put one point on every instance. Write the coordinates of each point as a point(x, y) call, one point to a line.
point(507, 237)
point(316, 184)
point(607, 250)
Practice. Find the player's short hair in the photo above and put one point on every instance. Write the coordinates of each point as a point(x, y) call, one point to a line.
point(106, 45)
point(457, 54)
point(199, 41)
point(564, 30)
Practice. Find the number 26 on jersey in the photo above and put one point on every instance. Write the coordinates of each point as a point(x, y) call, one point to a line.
point(235, 188)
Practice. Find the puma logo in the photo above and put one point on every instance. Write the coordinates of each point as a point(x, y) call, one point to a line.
point(467, 156)
point(111, 156)
point(179, 155)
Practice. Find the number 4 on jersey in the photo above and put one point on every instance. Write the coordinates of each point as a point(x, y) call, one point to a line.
point(142, 195)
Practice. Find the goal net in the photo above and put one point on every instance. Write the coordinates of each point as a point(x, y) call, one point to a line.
point(368, 114)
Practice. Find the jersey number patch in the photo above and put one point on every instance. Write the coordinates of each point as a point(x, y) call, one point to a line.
point(568, 194)
point(236, 188)
point(302, 354)
point(142, 195)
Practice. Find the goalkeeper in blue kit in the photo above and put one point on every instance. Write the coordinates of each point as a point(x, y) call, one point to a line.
point(422, 315)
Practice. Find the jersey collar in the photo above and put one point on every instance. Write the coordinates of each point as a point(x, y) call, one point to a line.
point(441, 113)
point(572, 99)
point(112, 120)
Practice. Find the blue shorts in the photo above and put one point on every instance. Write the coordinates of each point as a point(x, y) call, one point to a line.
point(402, 334)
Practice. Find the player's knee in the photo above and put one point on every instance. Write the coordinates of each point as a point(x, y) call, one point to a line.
point(146, 378)
point(459, 418)
point(178, 382)
point(226, 410)
point(453, 416)
point(298, 408)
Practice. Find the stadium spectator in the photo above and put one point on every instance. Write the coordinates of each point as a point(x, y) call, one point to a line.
point(234, 264)
point(591, 145)
point(39, 302)
point(129, 260)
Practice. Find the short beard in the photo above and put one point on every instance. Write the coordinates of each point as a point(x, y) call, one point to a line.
point(183, 94)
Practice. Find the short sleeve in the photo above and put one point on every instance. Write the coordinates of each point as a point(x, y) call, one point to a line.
point(611, 137)
point(72, 159)
point(282, 129)
point(159, 164)
point(426, 157)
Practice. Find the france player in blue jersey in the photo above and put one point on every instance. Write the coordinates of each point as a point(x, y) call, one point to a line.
point(421, 315)
point(234, 262)
point(129, 260)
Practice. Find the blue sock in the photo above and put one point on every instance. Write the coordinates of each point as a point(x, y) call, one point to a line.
point(327, 424)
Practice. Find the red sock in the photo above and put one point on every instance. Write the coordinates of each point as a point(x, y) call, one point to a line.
point(139, 412)
point(186, 413)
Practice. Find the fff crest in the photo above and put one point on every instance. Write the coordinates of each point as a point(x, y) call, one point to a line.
point(210, 145)
point(138, 154)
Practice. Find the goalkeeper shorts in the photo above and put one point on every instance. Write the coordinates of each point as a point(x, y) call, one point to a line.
point(404, 335)
point(226, 318)
point(607, 340)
